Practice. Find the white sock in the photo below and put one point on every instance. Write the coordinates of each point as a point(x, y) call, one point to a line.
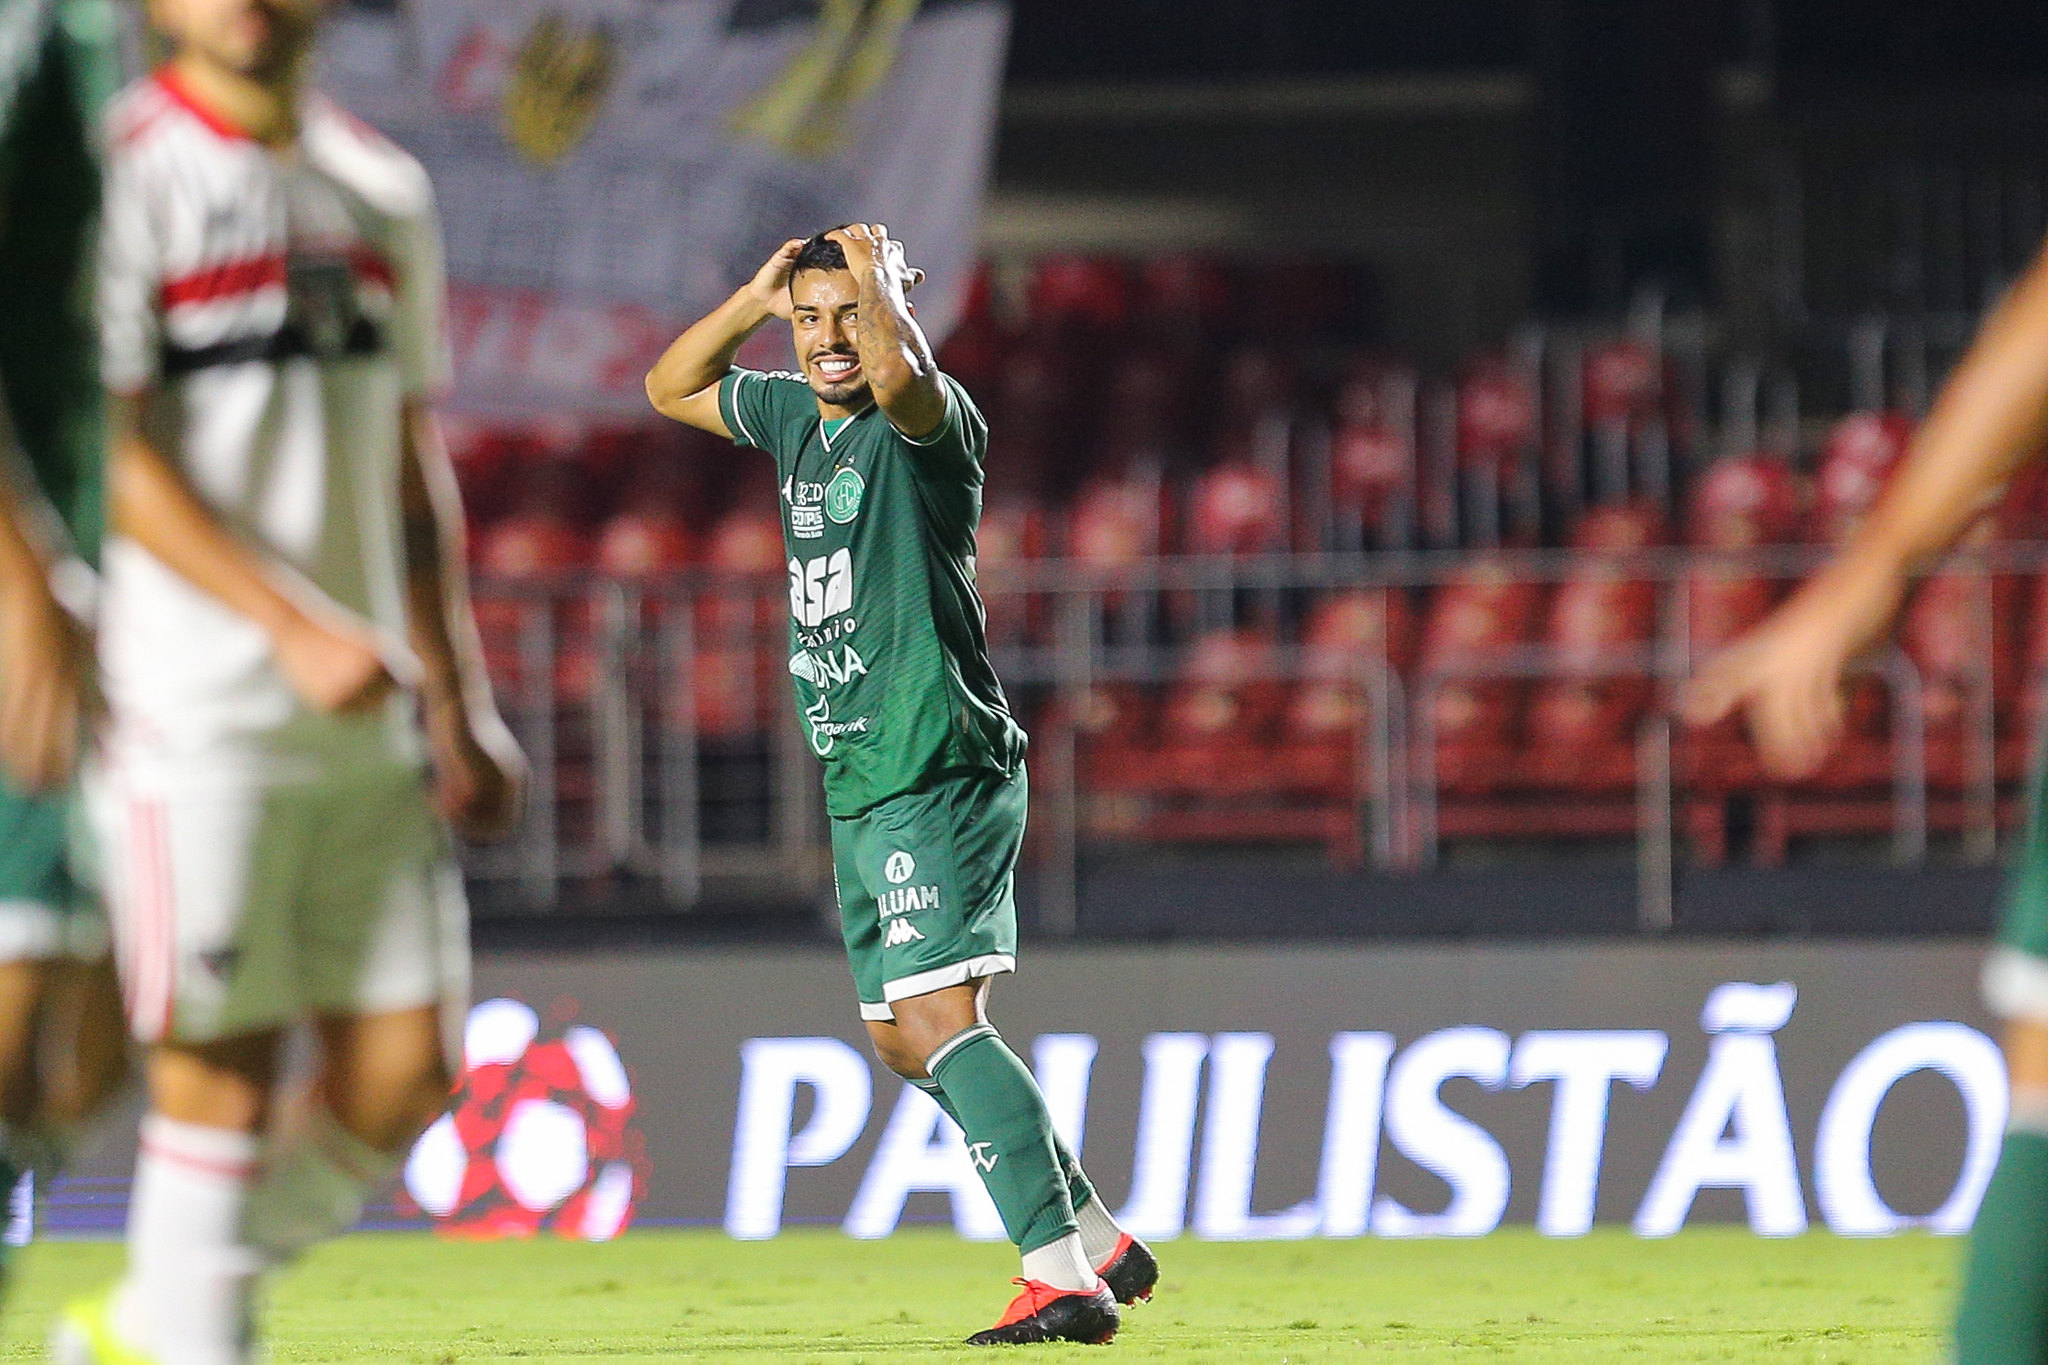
point(186, 1300)
point(1061, 1264)
point(313, 1186)
point(1099, 1232)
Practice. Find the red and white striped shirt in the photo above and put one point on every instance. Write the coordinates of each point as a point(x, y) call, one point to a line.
point(284, 303)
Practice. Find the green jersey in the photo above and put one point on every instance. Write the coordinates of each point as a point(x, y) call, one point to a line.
point(59, 63)
point(887, 642)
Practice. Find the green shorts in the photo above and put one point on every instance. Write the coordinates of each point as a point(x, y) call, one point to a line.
point(44, 910)
point(927, 895)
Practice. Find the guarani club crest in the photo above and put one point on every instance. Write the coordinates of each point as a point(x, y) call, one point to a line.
point(843, 495)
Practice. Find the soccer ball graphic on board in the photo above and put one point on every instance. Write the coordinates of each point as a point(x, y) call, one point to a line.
point(539, 1134)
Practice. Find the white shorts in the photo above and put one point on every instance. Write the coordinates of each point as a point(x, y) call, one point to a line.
point(242, 904)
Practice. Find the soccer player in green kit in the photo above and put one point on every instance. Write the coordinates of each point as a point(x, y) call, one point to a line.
point(62, 1036)
point(879, 459)
point(1990, 418)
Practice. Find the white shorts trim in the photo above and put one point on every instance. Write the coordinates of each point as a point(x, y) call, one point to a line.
point(938, 978)
point(2015, 985)
point(33, 931)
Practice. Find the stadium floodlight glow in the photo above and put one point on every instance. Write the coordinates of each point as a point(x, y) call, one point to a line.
point(1741, 1090)
point(921, 1149)
point(1585, 1064)
point(1165, 1155)
point(1842, 1182)
point(1442, 1141)
point(1351, 1130)
point(764, 1149)
point(1230, 1148)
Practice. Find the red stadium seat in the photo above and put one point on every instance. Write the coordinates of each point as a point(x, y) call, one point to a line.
point(1623, 381)
point(1238, 509)
point(1179, 292)
point(1205, 765)
point(1326, 712)
point(1742, 502)
point(1373, 467)
point(645, 544)
point(1477, 619)
point(1116, 524)
point(1856, 459)
point(1094, 290)
point(1496, 414)
point(522, 563)
point(745, 550)
point(1013, 531)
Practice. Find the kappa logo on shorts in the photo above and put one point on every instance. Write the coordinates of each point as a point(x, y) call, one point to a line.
point(899, 868)
point(901, 931)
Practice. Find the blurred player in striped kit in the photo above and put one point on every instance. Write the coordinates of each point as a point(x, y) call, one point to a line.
point(1787, 675)
point(62, 1046)
point(296, 702)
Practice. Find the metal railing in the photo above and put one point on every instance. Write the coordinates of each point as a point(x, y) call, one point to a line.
point(652, 765)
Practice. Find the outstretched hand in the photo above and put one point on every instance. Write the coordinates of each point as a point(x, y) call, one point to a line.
point(771, 282)
point(869, 246)
point(1786, 677)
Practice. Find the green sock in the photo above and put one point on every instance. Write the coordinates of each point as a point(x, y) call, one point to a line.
point(2003, 1317)
point(1080, 1189)
point(997, 1104)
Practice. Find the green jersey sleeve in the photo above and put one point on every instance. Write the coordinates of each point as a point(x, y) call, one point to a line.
point(759, 406)
point(960, 440)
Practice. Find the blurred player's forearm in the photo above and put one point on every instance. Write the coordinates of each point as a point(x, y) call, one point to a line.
point(41, 647)
point(150, 504)
point(1989, 419)
point(480, 775)
point(332, 659)
point(439, 617)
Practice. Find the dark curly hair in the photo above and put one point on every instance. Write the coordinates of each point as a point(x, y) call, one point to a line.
point(819, 252)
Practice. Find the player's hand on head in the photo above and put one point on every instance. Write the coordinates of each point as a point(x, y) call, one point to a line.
point(42, 689)
point(337, 665)
point(480, 774)
point(868, 245)
point(771, 282)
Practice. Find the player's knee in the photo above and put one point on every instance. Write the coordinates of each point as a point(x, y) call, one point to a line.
point(899, 1057)
point(390, 1106)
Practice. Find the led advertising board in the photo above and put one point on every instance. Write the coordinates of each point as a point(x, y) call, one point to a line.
point(1256, 1092)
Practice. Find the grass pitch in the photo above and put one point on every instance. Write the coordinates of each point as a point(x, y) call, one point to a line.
point(1711, 1294)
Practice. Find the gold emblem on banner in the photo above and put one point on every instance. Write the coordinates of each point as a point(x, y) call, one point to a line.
point(559, 81)
point(853, 48)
